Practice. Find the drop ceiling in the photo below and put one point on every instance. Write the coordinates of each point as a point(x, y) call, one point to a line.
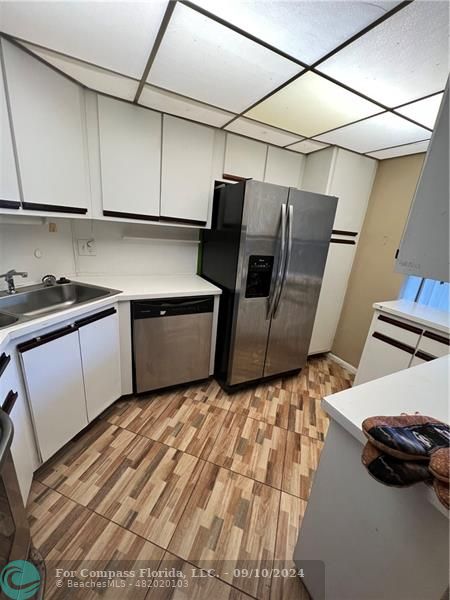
point(366, 75)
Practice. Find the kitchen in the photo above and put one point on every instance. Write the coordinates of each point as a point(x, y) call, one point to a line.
point(224, 243)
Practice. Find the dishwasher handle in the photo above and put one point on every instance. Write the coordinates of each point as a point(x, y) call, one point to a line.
point(166, 307)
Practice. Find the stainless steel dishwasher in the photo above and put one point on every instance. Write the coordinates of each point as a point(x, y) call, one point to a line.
point(171, 341)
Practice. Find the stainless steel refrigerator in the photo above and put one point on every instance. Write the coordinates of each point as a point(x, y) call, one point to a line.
point(266, 250)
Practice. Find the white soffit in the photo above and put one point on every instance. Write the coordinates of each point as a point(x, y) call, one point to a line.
point(402, 59)
point(378, 132)
point(311, 105)
point(307, 30)
point(424, 111)
point(114, 35)
point(183, 107)
point(308, 146)
point(207, 61)
point(262, 132)
point(401, 150)
point(90, 76)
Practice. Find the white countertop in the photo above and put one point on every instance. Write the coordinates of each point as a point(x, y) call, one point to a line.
point(424, 388)
point(132, 288)
point(137, 287)
point(419, 313)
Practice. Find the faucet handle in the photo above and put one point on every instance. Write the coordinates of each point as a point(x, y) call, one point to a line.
point(49, 280)
point(13, 273)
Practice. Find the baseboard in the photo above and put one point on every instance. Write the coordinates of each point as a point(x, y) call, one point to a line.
point(341, 362)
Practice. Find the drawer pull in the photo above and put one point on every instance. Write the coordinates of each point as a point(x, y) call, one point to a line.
point(4, 362)
point(399, 324)
point(392, 342)
point(424, 355)
point(92, 318)
point(9, 401)
point(437, 338)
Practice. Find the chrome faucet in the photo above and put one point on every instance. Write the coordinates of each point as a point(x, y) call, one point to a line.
point(9, 278)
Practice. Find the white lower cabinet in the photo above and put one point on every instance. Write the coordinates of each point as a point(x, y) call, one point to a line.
point(100, 348)
point(396, 343)
point(23, 447)
point(54, 380)
point(71, 375)
point(382, 356)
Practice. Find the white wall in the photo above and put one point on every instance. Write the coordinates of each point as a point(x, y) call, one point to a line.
point(162, 251)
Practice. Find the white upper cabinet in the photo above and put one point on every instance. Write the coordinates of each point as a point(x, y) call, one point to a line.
point(48, 121)
point(130, 156)
point(284, 167)
point(245, 158)
point(351, 182)
point(9, 185)
point(186, 175)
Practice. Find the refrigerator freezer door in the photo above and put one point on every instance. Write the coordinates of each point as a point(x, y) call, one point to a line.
point(312, 217)
point(260, 236)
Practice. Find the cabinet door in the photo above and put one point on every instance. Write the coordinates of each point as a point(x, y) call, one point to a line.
point(245, 158)
point(49, 127)
point(100, 347)
point(54, 381)
point(23, 447)
point(334, 285)
point(130, 154)
point(382, 356)
point(186, 181)
point(9, 186)
point(284, 167)
point(351, 181)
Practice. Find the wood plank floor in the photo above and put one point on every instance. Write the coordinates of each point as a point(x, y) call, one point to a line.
point(192, 478)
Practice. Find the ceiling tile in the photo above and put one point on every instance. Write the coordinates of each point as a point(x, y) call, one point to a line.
point(183, 107)
point(307, 30)
point(423, 111)
point(378, 132)
point(311, 105)
point(204, 60)
point(90, 76)
point(114, 35)
point(402, 59)
point(262, 132)
point(307, 146)
point(401, 150)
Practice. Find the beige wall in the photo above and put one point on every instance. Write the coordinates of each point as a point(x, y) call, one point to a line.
point(373, 278)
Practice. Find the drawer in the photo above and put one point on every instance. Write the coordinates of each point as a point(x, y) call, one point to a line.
point(382, 356)
point(435, 344)
point(398, 330)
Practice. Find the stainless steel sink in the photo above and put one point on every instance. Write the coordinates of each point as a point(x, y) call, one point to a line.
point(38, 300)
point(7, 320)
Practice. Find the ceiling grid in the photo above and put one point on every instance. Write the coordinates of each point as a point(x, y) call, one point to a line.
point(361, 75)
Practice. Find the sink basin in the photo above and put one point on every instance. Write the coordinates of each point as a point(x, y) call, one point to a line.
point(7, 320)
point(36, 301)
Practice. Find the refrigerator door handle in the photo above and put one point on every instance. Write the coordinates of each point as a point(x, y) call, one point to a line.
point(290, 220)
point(282, 258)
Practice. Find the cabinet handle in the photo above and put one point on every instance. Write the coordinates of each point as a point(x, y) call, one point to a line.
point(437, 338)
point(399, 324)
point(179, 220)
point(338, 241)
point(92, 318)
point(9, 401)
point(125, 215)
point(424, 355)
point(4, 362)
point(54, 208)
point(343, 232)
point(392, 342)
point(9, 204)
point(44, 339)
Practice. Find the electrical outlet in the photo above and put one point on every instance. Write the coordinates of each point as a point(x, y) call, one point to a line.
point(87, 247)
